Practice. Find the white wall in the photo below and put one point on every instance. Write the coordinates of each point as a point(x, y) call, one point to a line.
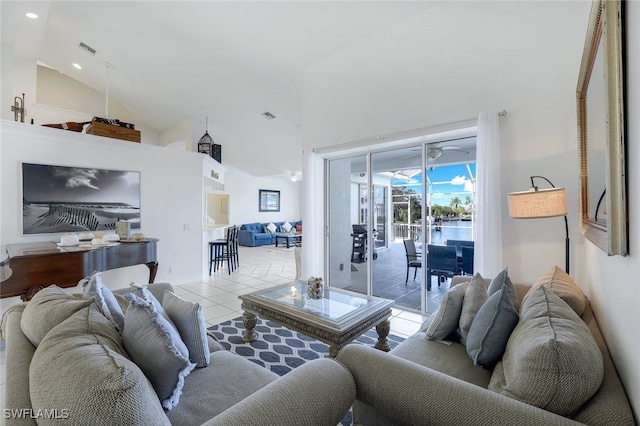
point(243, 197)
point(171, 189)
point(461, 58)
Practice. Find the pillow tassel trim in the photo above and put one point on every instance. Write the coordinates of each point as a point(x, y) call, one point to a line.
point(173, 400)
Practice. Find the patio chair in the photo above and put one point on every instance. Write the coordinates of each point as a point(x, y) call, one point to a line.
point(467, 260)
point(413, 258)
point(442, 261)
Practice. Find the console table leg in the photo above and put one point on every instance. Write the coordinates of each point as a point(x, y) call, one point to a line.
point(383, 331)
point(249, 321)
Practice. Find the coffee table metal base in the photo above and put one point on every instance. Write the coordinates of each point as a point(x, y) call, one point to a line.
point(335, 340)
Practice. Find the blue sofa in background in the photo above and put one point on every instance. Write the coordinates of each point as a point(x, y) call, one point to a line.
point(254, 234)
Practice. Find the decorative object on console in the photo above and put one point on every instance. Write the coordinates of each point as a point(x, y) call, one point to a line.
point(69, 125)
point(115, 131)
point(75, 199)
point(314, 290)
point(543, 203)
point(123, 229)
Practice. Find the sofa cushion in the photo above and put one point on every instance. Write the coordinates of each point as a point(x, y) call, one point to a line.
point(156, 347)
point(551, 360)
point(491, 328)
point(474, 298)
point(255, 227)
point(209, 391)
point(105, 299)
point(562, 285)
point(48, 308)
point(81, 369)
point(189, 320)
point(447, 317)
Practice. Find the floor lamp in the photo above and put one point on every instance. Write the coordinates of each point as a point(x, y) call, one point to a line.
point(540, 203)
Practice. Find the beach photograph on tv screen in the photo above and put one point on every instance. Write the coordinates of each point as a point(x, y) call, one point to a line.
point(59, 199)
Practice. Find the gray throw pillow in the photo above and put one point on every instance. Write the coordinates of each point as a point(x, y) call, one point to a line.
point(447, 316)
point(562, 285)
point(474, 298)
point(498, 281)
point(551, 361)
point(189, 320)
point(84, 353)
point(155, 346)
point(48, 308)
point(105, 299)
point(491, 328)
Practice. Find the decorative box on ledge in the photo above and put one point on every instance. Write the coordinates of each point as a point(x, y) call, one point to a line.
point(117, 130)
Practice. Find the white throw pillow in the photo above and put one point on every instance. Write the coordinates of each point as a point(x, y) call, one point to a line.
point(271, 227)
point(286, 227)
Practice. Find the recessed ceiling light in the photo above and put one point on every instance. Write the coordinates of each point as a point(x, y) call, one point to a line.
point(31, 15)
point(77, 66)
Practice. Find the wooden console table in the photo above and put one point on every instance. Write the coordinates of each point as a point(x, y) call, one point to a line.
point(44, 263)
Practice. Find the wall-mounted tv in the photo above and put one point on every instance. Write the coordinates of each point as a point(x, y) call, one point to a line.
point(59, 199)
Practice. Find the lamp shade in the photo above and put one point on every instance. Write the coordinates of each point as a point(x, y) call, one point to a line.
point(537, 203)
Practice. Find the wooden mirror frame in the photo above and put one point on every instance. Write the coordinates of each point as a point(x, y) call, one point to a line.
point(605, 23)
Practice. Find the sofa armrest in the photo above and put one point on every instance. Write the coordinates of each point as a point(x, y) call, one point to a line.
point(19, 352)
point(318, 392)
point(245, 237)
point(408, 393)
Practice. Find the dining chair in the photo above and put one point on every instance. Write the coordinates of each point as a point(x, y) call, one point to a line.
point(442, 261)
point(467, 260)
point(414, 259)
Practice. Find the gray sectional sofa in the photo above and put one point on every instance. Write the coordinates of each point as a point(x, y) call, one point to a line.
point(79, 374)
point(429, 382)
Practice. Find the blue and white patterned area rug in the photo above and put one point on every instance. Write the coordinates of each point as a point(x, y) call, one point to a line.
point(280, 349)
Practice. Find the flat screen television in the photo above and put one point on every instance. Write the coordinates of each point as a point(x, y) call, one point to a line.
point(57, 199)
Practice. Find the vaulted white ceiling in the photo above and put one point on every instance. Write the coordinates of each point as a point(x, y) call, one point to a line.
point(230, 61)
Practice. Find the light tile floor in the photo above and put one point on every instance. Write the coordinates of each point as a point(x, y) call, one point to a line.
point(260, 268)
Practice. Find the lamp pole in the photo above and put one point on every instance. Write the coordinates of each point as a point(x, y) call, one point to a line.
point(566, 224)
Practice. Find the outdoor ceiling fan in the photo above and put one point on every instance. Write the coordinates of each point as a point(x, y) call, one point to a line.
point(434, 152)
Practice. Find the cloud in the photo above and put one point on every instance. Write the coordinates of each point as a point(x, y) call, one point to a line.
point(458, 180)
point(77, 177)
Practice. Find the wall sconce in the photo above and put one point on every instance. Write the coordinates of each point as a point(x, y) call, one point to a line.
point(541, 203)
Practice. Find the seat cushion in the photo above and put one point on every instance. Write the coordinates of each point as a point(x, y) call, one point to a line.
point(81, 369)
point(211, 390)
point(48, 308)
point(446, 357)
point(551, 360)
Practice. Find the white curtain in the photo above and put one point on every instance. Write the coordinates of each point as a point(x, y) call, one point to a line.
point(489, 197)
point(312, 216)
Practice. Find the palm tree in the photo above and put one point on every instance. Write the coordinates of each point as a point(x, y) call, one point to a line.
point(455, 201)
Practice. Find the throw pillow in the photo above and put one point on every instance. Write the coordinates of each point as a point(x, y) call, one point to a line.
point(84, 353)
point(299, 228)
point(474, 298)
point(562, 285)
point(155, 346)
point(491, 328)
point(286, 227)
point(497, 282)
point(105, 299)
point(551, 361)
point(189, 320)
point(48, 308)
point(447, 317)
point(271, 227)
point(142, 292)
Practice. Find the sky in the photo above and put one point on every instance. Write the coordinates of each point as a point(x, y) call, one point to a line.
point(448, 182)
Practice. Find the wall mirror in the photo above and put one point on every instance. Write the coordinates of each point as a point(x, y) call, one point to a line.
point(600, 107)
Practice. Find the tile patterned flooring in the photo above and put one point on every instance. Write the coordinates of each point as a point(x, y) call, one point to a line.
point(260, 268)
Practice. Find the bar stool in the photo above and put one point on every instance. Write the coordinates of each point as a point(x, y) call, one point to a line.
point(224, 250)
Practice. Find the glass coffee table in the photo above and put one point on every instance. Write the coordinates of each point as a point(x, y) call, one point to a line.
point(336, 319)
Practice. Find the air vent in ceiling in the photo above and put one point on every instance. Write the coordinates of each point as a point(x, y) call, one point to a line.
point(90, 50)
point(268, 115)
